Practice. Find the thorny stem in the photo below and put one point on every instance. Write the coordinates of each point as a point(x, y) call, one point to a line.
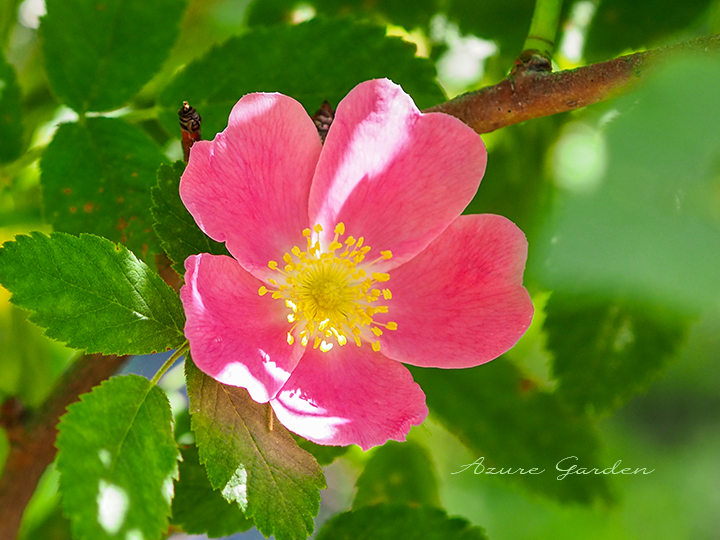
point(543, 28)
point(170, 361)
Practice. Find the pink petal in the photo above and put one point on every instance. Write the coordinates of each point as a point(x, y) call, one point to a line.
point(249, 187)
point(393, 175)
point(350, 395)
point(460, 303)
point(236, 336)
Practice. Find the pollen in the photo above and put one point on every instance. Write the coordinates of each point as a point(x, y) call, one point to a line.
point(331, 292)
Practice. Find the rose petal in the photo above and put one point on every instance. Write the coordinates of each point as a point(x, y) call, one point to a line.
point(393, 175)
point(350, 395)
point(249, 187)
point(236, 336)
point(460, 303)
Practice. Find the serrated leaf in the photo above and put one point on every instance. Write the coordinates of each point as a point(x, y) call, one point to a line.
point(512, 425)
point(91, 294)
point(97, 178)
point(398, 473)
point(117, 459)
point(393, 521)
point(312, 62)
point(11, 125)
point(607, 350)
point(99, 54)
point(197, 509)
point(275, 482)
point(179, 235)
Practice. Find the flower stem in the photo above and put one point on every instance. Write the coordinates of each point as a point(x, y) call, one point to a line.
point(170, 361)
point(543, 28)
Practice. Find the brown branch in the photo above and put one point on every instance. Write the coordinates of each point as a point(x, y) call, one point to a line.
point(32, 439)
point(531, 94)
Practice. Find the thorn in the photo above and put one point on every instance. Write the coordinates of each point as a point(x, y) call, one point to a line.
point(323, 119)
point(190, 123)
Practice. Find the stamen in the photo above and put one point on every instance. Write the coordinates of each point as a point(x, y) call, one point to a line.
point(330, 294)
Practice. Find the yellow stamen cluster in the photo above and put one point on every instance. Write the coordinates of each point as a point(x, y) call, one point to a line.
point(329, 293)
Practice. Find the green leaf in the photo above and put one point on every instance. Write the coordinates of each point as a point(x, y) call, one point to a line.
point(117, 459)
point(99, 54)
point(312, 62)
point(651, 227)
point(11, 125)
point(505, 22)
point(91, 294)
point(399, 12)
point(393, 521)
point(197, 509)
point(179, 235)
point(97, 177)
point(607, 350)
point(512, 425)
point(621, 27)
point(324, 455)
point(274, 481)
point(399, 473)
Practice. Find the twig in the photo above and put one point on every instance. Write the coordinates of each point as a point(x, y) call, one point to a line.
point(531, 94)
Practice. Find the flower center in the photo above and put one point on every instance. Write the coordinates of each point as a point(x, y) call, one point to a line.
point(329, 292)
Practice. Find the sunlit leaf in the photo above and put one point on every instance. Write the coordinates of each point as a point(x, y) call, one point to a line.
point(393, 521)
point(312, 62)
point(117, 459)
point(275, 482)
point(91, 294)
point(99, 54)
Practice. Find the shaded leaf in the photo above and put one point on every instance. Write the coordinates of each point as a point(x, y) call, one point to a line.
point(398, 473)
point(511, 425)
point(393, 521)
point(398, 12)
point(11, 125)
point(97, 177)
point(197, 509)
point(179, 235)
point(99, 54)
point(117, 459)
point(324, 455)
point(275, 482)
point(607, 350)
point(91, 294)
point(505, 22)
point(312, 62)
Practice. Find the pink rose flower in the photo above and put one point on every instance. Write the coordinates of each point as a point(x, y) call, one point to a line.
point(349, 259)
